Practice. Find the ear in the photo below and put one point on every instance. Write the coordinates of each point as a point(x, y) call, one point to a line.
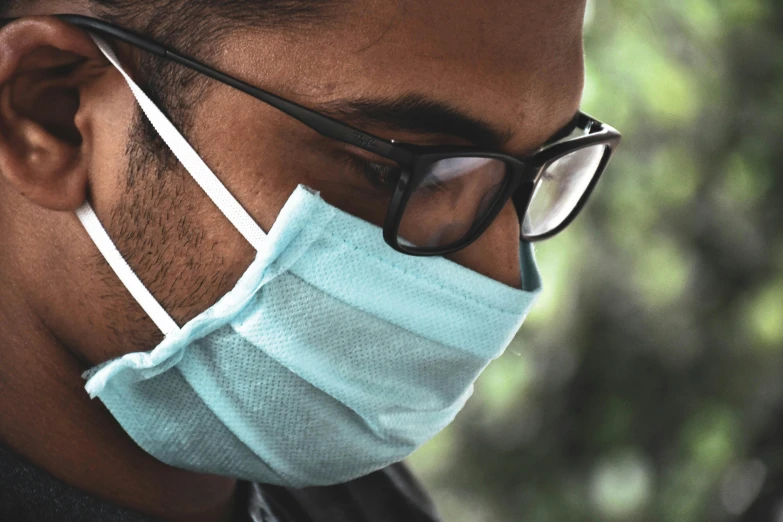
point(46, 66)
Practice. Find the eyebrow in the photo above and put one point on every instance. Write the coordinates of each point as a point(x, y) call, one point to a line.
point(418, 114)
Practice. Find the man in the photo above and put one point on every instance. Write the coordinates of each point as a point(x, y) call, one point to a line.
point(246, 376)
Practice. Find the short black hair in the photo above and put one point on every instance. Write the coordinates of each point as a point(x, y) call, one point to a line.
point(157, 18)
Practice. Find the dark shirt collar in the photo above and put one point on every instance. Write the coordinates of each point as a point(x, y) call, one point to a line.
point(30, 494)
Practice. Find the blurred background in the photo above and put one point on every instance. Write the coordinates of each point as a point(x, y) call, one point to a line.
point(647, 385)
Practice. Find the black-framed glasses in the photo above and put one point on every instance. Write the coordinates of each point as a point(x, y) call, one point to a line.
point(442, 198)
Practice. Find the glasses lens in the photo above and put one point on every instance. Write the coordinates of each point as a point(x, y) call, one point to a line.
point(451, 201)
point(559, 189)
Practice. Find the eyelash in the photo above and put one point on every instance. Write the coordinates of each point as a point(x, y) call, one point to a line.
point(380, 176)
point(385, 177)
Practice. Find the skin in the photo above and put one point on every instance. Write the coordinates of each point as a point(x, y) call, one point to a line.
point(66, 135)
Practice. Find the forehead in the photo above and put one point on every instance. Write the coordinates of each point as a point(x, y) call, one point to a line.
point(515, 63)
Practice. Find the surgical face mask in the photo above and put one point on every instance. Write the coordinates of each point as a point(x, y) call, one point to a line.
point(333, 357)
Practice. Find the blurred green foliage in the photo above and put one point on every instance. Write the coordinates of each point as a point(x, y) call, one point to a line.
point(647, 385)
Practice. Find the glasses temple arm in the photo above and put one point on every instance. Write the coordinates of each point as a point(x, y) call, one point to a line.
point(321, 123)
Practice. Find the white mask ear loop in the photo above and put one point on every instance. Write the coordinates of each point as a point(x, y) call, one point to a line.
point(148, 303)
point(190, 159)
point(200, 172)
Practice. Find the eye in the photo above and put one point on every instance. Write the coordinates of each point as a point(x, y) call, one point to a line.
point(381, 176)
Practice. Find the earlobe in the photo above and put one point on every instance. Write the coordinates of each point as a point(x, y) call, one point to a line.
point(43, 70)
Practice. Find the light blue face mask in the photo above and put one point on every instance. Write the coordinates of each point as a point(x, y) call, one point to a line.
point(334, 356)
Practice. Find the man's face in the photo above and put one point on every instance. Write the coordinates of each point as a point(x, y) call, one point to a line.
point(515, 65)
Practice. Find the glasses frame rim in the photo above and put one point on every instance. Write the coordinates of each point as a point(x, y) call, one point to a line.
point(522, 177)
point(411, 158)
point(607, 136)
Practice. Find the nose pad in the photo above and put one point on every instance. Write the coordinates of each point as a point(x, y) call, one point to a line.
point(496, 253)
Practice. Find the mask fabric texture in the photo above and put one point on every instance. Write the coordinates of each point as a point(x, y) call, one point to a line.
point(334, 356)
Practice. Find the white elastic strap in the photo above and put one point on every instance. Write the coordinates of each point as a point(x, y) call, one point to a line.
point(190, 159)
point(137, 289)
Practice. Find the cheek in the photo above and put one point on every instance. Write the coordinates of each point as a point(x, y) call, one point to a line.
point(105, 121)
point(496, 253)
point(261, 155)
point(252, 149)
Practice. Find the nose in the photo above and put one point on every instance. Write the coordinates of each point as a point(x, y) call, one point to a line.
point(496, 253)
